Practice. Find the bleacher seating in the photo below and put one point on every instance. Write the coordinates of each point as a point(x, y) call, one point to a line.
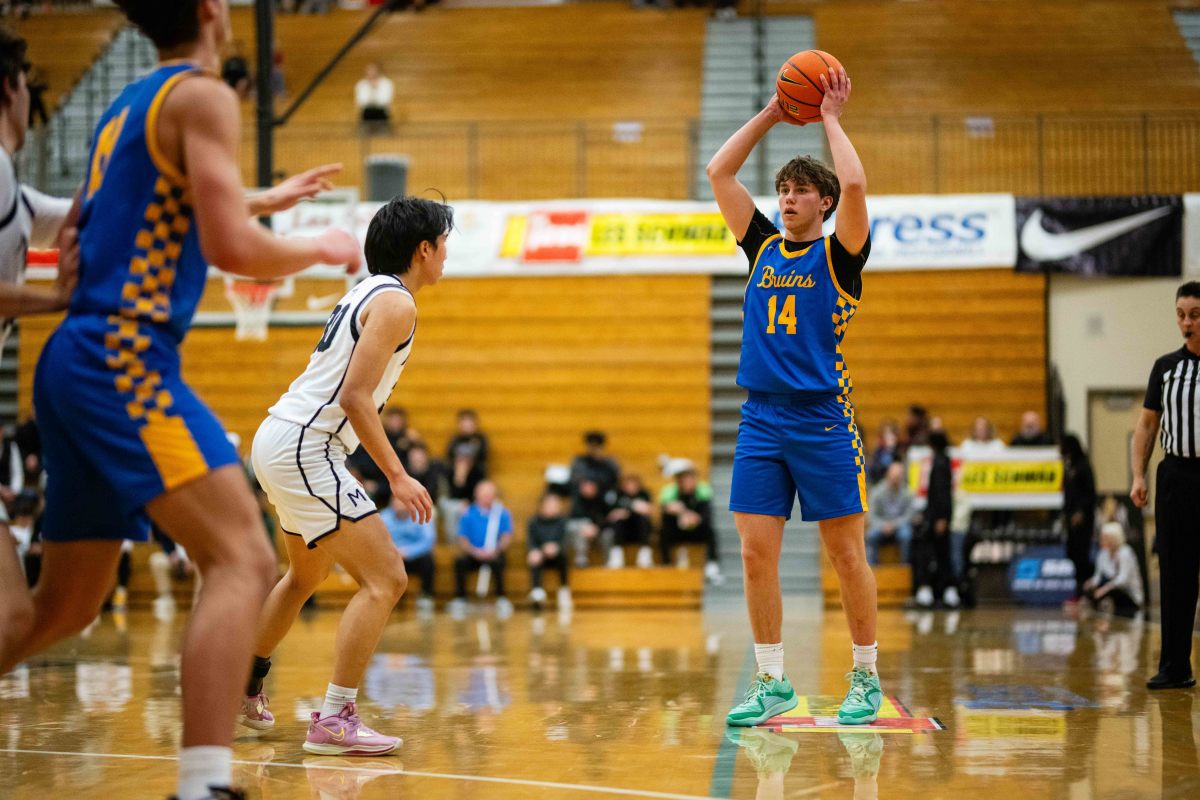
point(540, 71)
point(63, 45)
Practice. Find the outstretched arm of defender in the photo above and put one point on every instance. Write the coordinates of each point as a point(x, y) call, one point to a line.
point(737, 207)
point(204, 116)
point(853, 224)
point(387, 321)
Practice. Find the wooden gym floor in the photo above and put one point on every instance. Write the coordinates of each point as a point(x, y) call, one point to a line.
point(624, 703)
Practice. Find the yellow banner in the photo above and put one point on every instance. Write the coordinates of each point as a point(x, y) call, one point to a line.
point(659, 235)
point(1007, 477)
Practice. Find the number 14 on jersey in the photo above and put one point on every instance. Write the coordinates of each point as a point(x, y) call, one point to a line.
point(786, 317)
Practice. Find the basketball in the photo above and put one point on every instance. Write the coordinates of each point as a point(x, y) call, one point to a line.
point(799, 83)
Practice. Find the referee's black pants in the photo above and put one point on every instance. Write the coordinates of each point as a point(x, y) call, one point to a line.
point(1177, 512)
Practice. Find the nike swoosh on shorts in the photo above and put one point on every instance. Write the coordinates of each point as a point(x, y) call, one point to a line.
point(1042, 245)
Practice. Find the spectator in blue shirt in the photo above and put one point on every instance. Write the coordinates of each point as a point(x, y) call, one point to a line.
point(484, 533)
point(415, 543)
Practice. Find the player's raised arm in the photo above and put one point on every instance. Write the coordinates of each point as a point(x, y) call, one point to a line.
point(200, 118)
point(737, 207)
point(853, 225)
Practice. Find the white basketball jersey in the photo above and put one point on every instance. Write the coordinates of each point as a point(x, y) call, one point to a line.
point(27, 217)
point(313, 399)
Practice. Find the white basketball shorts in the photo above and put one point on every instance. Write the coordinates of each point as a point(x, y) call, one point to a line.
point(304, 474)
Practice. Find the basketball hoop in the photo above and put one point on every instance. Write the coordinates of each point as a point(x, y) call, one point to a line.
point(252, 302)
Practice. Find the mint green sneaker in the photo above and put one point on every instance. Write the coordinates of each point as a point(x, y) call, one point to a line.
point(765, 698)
point(861, 706)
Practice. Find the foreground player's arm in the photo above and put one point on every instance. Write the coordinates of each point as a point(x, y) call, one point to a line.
point(737, 207)
point(1143, 447)
point(853, 226)
point(387, 322)
point(304, 186)
point(200, 121)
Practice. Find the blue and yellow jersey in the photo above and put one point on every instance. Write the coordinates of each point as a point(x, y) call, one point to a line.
point(795, 314)
point(141, 270)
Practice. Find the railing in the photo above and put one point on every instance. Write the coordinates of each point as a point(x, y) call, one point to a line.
point(1042, 154)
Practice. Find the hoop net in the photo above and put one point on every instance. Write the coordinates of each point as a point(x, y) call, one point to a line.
point(252, 302)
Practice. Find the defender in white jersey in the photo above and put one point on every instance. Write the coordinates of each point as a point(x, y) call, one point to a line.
point(299, 456)
point(27, 217)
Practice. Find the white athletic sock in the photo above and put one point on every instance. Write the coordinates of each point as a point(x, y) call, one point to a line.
point(865, 656)
point(770, 659)
point(336, 698)
point(201, 768)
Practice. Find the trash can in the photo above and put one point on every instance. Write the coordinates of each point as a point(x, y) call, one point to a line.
point(387, 176)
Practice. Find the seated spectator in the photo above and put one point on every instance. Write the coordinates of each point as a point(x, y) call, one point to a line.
point(236, 71)
point(469, 441)
point(686, 505)
point(593, 475)
point(1116, 586)
point(484, 534)
point(1031, 433)
point(426, 471)
point(887, 451)
point(916, 428)
point(982, 439)
point(629, 522)
point(890, 516)
point(401, 437)
point(547, 544)
point(415, 542)
point(373, 96)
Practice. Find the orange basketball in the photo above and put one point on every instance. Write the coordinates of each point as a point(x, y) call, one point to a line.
point(799, 83)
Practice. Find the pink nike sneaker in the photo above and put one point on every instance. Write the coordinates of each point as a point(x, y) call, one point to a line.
point(256, 714)
point(344, 734)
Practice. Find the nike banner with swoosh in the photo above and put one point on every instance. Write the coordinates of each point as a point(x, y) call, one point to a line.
point(1139, 235)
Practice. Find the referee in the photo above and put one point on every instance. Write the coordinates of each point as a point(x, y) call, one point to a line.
point(1173, 407)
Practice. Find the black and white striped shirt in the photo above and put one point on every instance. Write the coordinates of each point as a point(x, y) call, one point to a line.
point(1174, 392)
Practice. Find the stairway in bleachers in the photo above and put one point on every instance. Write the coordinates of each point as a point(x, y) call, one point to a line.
point(57, 160)
point(799, 568)
point(741, 58)
point(1188, 21)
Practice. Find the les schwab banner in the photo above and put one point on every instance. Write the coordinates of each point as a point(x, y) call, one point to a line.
point(581, 237)
point(1009, 478)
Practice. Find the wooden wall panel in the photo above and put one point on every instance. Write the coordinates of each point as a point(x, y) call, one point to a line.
point(541, 359)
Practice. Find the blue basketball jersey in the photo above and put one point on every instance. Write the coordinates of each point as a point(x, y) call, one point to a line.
point(794, 317)
point(141, 268)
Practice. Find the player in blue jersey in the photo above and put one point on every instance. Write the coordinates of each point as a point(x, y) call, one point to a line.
point(124, 438)
point(798, 435)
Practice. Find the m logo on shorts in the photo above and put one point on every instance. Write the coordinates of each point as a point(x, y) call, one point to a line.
point(356, 495)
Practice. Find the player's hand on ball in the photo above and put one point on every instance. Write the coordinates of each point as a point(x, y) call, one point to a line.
point(836, 85)
point(775, 111)
point(339, 247)
point(415, 499)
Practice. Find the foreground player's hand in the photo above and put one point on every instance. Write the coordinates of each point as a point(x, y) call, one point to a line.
point(409, 492)
point(339, 247)
point(836, 85)
point(776, 112)
point(1138, 494)
point(304, 186)
point(68, 264)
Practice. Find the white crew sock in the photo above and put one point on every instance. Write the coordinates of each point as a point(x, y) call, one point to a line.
point(865, 656)
point(336, 698)
point(770, 659)
point(201, 768)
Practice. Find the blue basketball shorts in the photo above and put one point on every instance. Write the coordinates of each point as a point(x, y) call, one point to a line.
point(119, 428)
point(789, 447)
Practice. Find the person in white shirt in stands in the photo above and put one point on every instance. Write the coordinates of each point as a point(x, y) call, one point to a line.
point(1116, 586)
point(373, 96)
point(982, 439)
